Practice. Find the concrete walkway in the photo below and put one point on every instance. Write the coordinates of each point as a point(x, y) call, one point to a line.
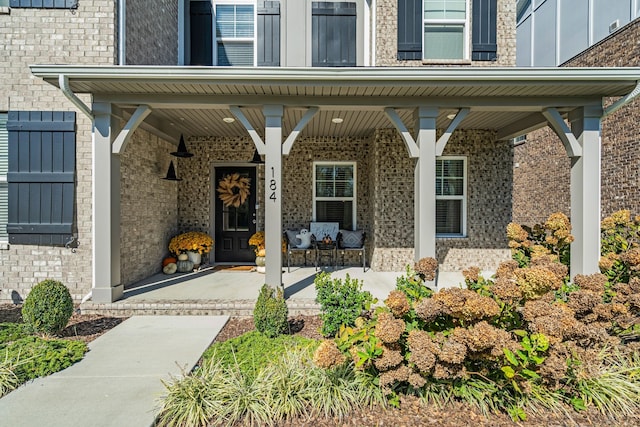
point(118, 383)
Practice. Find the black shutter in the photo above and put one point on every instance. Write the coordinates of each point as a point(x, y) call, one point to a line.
point(268, 33)
point(44, 4)
point(333, 34)
point(201, 33)
point(41, 176)
point(409, 29)
point(483, 29)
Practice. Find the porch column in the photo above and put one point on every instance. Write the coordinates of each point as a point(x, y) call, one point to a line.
point(107, 286)
point(273, 194)
point(585, 191)
point(425, 183)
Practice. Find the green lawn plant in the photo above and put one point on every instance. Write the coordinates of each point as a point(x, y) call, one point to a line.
point(48, 307)
point(271, 312)
point(341, 302)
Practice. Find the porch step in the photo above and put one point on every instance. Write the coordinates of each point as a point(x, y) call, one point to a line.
point(240, 308)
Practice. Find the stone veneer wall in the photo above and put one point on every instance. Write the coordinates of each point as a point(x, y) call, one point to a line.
point(149, 206)
point(488, 202)
point(387, 37)
point(545, 156)
point(152, 32)
point(83, 36)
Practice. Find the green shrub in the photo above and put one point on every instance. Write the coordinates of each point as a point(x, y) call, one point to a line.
point(342, 302)
point(39, 357)
point(254, 351)
point(13, 331)
point(48, 307)
point(271, 312)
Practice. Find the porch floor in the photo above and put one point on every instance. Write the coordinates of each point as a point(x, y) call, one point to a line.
point(234, 292)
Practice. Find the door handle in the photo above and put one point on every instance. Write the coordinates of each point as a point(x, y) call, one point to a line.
point(254, 221)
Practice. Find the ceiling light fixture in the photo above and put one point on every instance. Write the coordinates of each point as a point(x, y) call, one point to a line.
point(228, 120)
point(451, 116)
point(337, 120)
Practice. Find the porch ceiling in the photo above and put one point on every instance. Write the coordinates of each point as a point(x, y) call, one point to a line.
point(194, 100)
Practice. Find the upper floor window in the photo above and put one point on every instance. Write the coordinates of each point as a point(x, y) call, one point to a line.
point(233, 33)
point(445, 29)
point(334, 194)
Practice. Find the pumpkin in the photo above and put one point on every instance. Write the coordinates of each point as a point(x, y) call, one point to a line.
point(261, 252)
point(184, 266)
point(183, 257)
point(170, 268)
point(168, 260)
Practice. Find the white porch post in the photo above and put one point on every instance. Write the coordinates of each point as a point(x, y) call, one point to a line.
point(273, 194)
point(425, 187)
point(585, 191)
point(107, 286)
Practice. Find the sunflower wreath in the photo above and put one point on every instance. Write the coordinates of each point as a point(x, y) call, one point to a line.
point(234, 190)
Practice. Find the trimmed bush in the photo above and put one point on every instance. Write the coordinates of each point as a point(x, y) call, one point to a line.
point(271, 312)
point(342, 302)
point(48, 307)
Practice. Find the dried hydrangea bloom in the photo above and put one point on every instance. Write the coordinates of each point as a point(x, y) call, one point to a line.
point(539, 251)
point(426, 268)
point(551, 264)
point(556, 322)
point(507, 269)
point(634, 302)
point(416, 380)
point(516, 233)
point(478, 307)
point(388, 329)
point(506, 290)
point(631, 257)
point(536, 281)
point(327, 355)
point(472, 274)
point(634, 284)
point(453, 351)
point(583, 302)
point(514, 245)
point(607, 261)
point(622, 217)
point(423, 350)
point(443, 371)
point(396, 375)
point(429, 309)
point(591, 282)
point(554, 368)
point(482, 337)
point(397, 303)
point(390, 358)
point(558, 222)
point(452, 298)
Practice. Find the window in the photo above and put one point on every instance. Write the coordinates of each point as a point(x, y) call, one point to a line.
point(334, 195)
point(451, 196)
point(445, 29)
point(4, 194)
point(235, 34)
point(45, 4)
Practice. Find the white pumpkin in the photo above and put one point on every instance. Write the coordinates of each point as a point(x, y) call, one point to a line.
point(183, 257)
point(170, 268)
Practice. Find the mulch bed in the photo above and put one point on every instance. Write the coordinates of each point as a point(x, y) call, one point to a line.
point(86, 328)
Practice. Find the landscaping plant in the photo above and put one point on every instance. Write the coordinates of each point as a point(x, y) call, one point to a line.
point(48, 307)
point(271, 312)
point(341, 302)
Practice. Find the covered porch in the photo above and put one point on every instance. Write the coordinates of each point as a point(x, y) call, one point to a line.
point(273, 108)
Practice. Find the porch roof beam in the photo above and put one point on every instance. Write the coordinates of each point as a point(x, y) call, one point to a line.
point(257, 140)
point(123, 138)
point(523, 126)
point(442, 141)
point(288, 143)
point(557, 123)
point(409, 141)
point(478, 103)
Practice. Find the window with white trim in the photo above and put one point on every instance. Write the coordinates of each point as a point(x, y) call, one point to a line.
point(445, 29)
point(235, 33)
point(451, 196)
point(334, 193)
point(4, 193)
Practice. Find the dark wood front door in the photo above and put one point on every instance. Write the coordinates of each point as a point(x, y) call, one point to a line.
point(235, 213)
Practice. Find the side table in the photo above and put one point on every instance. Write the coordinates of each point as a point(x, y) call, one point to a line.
point(326, 251)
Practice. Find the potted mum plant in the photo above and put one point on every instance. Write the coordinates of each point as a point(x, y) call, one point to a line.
point(257, 242)
point(193, 244)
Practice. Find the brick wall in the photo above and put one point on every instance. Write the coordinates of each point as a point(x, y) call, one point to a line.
point(53, 36)
point(387, 36)
point(152, 32)
point(541, 181)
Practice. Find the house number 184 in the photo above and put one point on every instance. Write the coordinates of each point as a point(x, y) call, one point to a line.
point(273, 185)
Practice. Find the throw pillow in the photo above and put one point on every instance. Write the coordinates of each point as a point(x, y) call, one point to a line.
point(291, 237)
point(352, 239)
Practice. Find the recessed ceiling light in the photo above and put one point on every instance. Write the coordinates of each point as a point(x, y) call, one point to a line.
point(337, 120)
point(451, 116)
point(228, 120)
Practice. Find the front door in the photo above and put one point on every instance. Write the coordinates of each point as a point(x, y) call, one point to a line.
point(235, 213)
